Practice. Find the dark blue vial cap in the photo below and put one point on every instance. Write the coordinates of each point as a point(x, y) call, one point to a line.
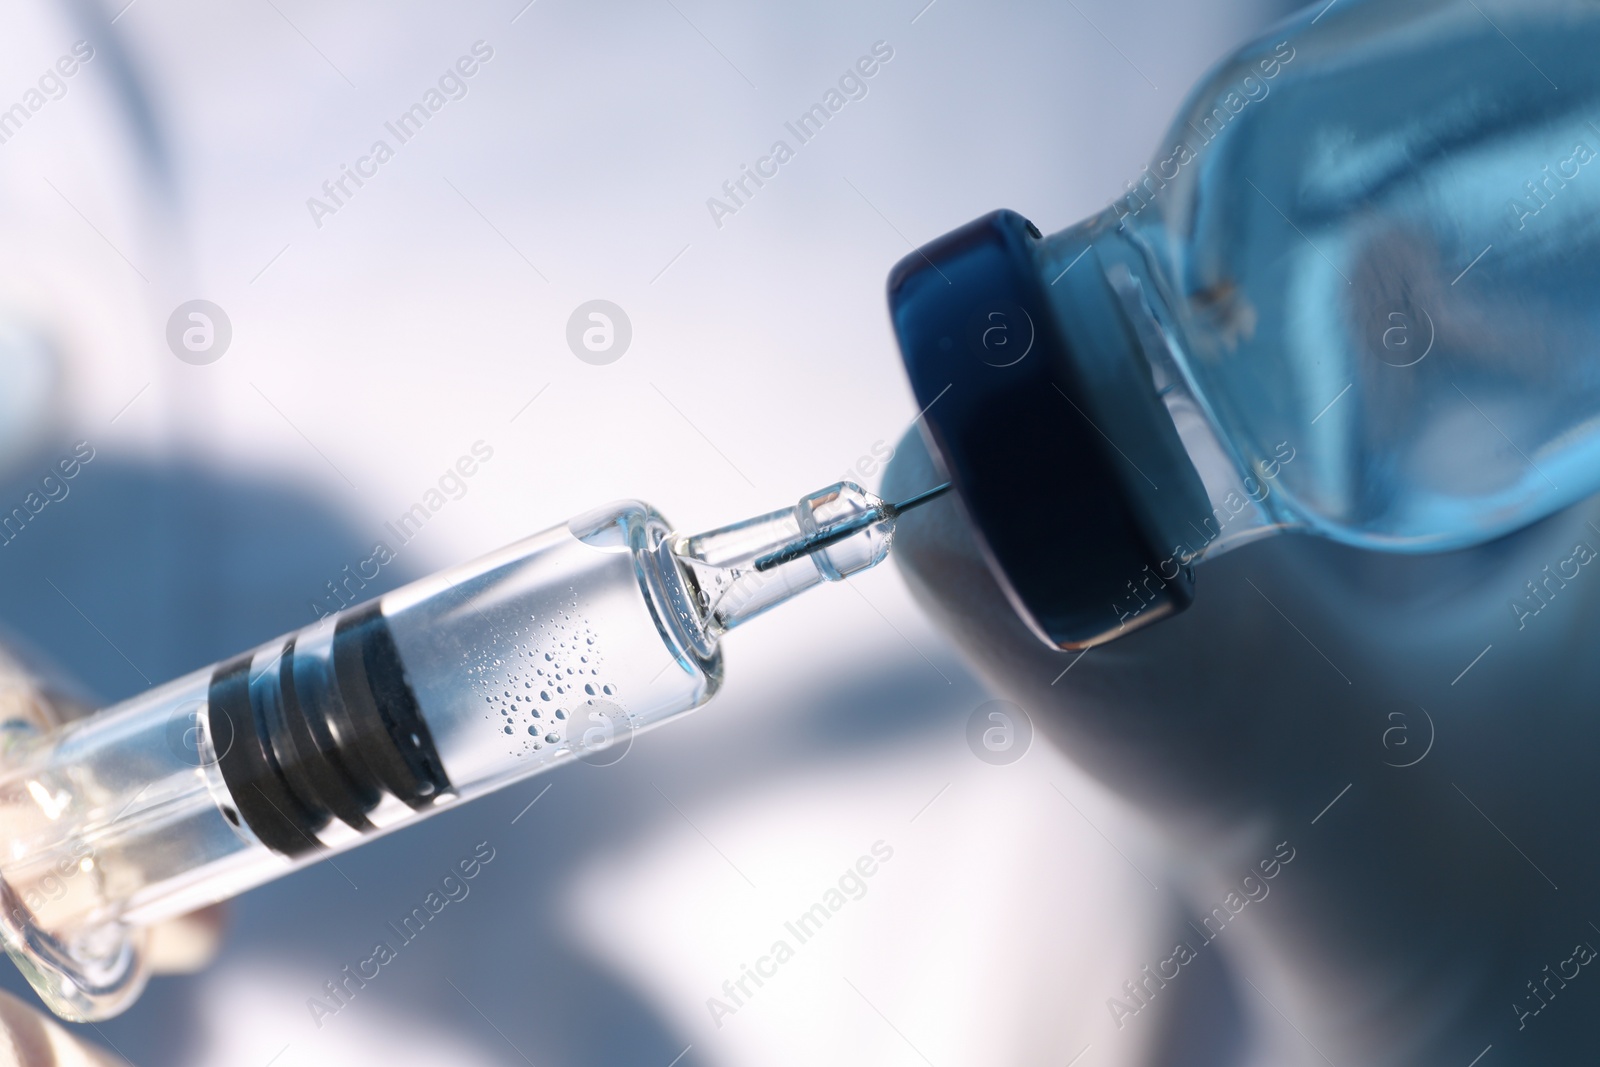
point(1016, 407)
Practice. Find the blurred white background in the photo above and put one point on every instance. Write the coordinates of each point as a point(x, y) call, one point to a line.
point(371, 351)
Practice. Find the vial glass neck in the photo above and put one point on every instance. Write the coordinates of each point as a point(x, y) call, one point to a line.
point(1239, 489)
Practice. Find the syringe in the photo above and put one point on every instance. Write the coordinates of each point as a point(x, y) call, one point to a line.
point(556, 647)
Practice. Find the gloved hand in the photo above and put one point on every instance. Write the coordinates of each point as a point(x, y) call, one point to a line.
point(30, 1036)
point(1454, 736)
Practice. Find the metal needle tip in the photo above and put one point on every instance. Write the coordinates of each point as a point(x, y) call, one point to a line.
point(918, 500)
point(805, 546)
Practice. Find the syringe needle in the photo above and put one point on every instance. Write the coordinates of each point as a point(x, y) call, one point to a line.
point(805, 546)
point(917, 501)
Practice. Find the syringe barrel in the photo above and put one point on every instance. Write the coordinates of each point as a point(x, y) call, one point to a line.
point(561, 645)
